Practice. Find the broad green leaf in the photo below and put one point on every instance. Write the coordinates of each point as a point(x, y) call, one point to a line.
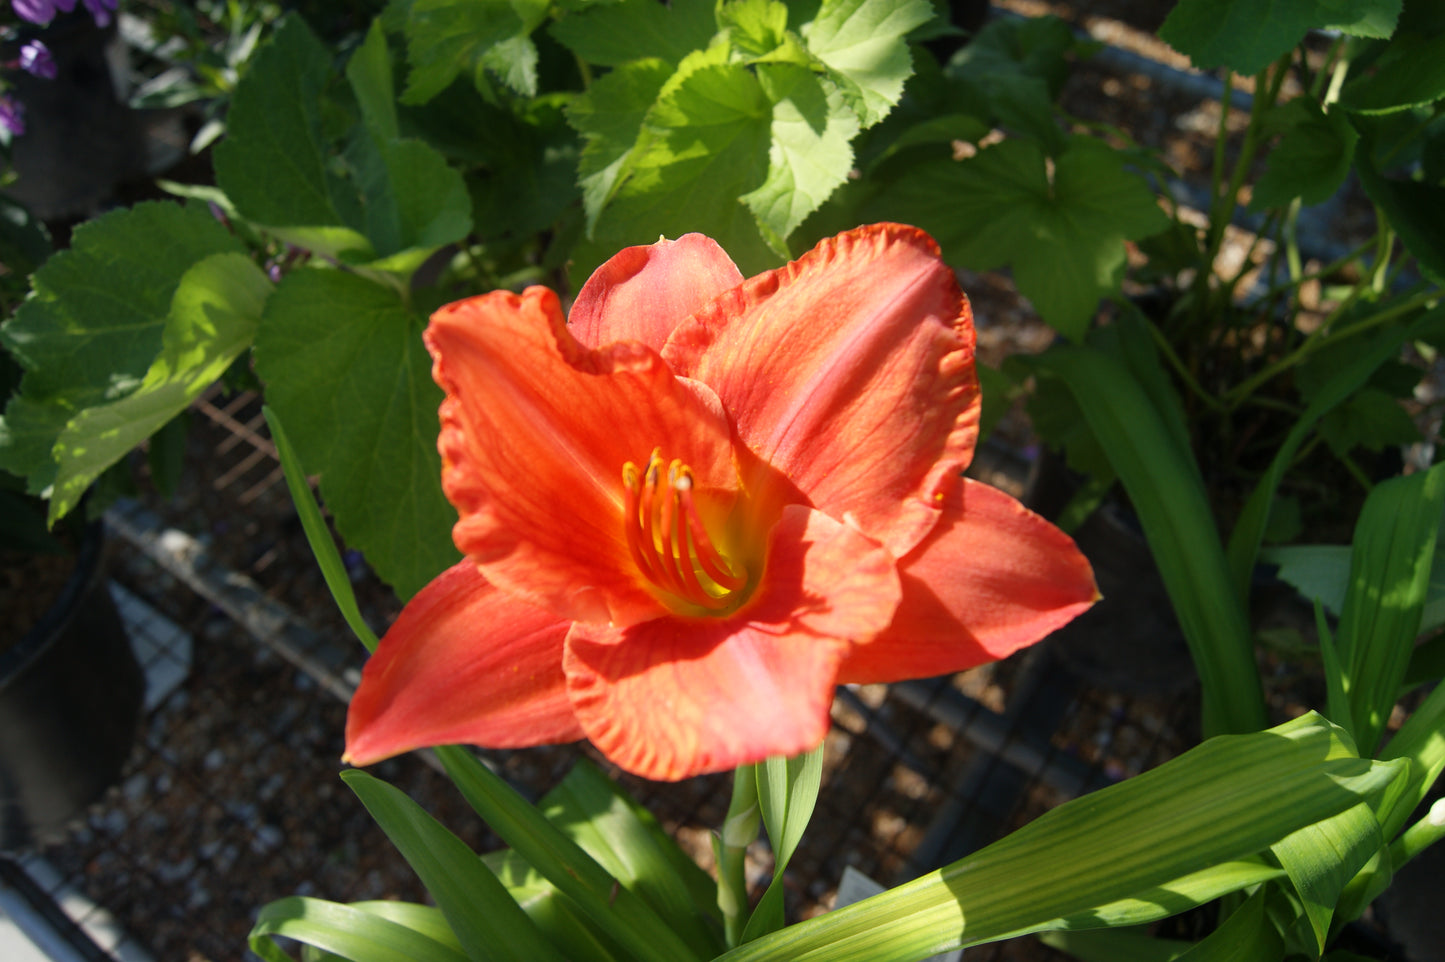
point(357, 932)
point(1409, 73)
point(1249, 530)
point(345, 368)
point(787, 794)
point(756, 27)
point(810, 155)
point(1320, 572)
point(629, 844)
point(1370, 419)
point(212, 320)
point(1412, 209)
point(1062, 234)
point(1013, 70)
point(412, 200)
point(862, 43)
point(1311, 160)
point(1246, 35)
point(274, 163)
point(1230, 798)
point(609, 117)
point(610, 35)
point(706, 145)
point(530, 184)
point(317, 535)
point(1166, 490)
point(1422, 740)
point(369, 73)
point(96, 319)
point(450, 38)
point(27, 436)
point(612, 909)
point(488, 923)
point(1179, 895)
point(1392, 553)
point(1322, 858)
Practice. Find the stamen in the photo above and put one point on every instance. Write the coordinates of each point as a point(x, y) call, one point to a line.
point(667, 538)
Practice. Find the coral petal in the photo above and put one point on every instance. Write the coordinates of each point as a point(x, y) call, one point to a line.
point(851, 372)
point(642, 293)
point(465, 663)
point(535, 431)
point(992, 578)
point(677, 697)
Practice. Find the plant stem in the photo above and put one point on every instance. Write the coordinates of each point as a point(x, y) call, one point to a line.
point(730, 845)
point(1317, 340)
point(1419, 836)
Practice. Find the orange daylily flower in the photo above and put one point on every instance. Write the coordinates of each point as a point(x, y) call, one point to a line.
point(693, 510)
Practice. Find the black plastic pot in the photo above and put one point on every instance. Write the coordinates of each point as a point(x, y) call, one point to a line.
point(70, 699)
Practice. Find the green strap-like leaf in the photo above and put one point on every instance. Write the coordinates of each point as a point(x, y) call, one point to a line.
point(787, 794)
point(1166, 491)
point(356, 932)
point(1248, 935)
point(1391, 558)
point(1230, 798)
point(616, 911)
point(627, 842)
point(1322, 858)
point(487, 921)
point(1248, 532)
point(318, 536)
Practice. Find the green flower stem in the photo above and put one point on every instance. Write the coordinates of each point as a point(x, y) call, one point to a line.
point(730, 845)
point(1188, 380)
point(1419, 836)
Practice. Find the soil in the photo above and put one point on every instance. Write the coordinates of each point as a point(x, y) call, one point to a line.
point(29, 586)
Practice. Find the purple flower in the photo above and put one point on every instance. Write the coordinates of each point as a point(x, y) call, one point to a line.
point(35, 58)
point(100, 10)
point(36, 11)
point(12, 116)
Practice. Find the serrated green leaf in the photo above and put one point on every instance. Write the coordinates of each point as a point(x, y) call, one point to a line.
point(862, 43)
point(706, 145)
point(609, 117)
point(450, 38)
point(1370, 419)
point(487, 921)
point(96, 319)
point(412, 199)
point(370, 75)
point(274, 163)
point(356, 932)
point(1320, 572)
point(756, 27)
point(1246, 35)
point(1409, 73)
point(345, 367)
point(1312, 159)
point(610, 35)
point(1012, 72)
point(531, 173)
point(1062, 236)
point(212, 319)
point(1413, 210)
point(811, 152)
